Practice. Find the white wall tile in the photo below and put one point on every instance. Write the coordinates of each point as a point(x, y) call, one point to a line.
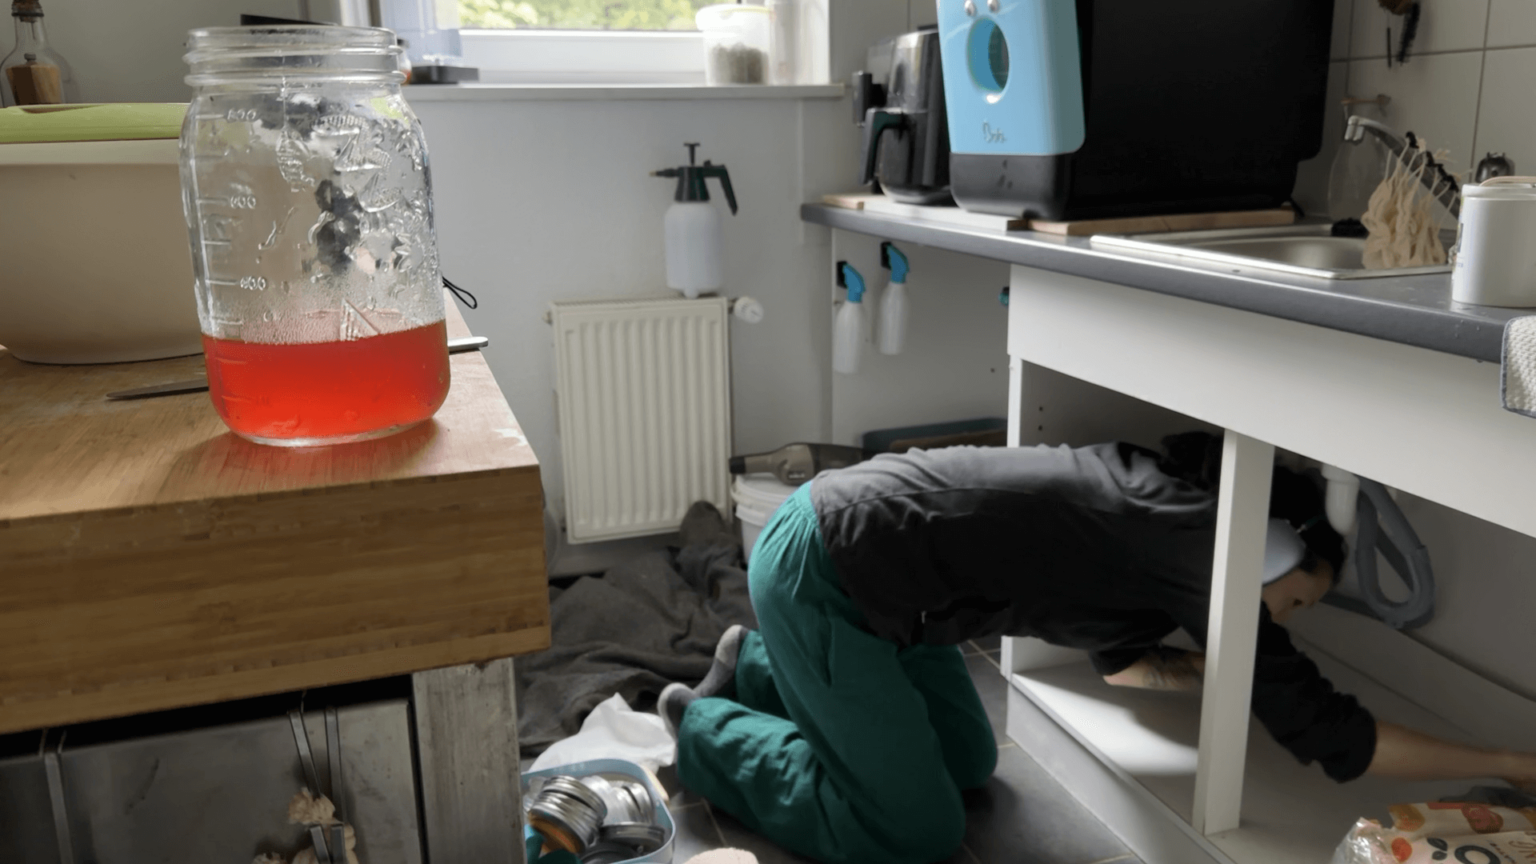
point(857, 24)
point(121, 54)
point(1445, 25)
point(1507, 114)
point(1312, 175)
point(1511, 22)
point(1343, 11)
point(921, 13)
point(1435, 97)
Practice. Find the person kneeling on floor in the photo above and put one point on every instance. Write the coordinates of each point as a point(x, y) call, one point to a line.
point(847, 726)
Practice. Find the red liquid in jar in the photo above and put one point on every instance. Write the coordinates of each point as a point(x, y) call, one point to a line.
point(325, 392)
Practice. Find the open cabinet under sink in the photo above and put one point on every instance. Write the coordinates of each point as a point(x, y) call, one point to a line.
point(1149, 740)
point(1184, 778)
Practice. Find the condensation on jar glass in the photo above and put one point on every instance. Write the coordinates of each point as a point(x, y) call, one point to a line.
point(308, 198)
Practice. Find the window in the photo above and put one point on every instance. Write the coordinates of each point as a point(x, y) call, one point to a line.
point(579, 14)
point(583, 41)
point(603, 42)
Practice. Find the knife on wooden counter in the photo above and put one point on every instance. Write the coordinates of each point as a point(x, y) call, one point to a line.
point(197, 385)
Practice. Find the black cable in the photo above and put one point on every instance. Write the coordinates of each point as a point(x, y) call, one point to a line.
point(1410, 30)
point(464, 296)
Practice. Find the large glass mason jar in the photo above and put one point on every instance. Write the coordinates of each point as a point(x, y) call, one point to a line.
point(309, 202)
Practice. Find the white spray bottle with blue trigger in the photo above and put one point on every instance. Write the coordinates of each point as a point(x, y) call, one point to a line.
point(893, 308)
point(848, 326)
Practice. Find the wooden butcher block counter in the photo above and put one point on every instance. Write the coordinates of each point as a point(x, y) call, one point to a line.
point(151, 559)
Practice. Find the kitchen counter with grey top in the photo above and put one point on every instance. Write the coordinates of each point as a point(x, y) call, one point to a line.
point(1411, 310)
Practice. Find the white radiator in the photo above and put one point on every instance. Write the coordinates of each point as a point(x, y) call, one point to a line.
point(644, 405)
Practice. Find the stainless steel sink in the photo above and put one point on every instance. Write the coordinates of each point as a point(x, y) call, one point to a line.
point(1302, 250)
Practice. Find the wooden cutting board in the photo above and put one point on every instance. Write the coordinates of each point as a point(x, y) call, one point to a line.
point(957, 217)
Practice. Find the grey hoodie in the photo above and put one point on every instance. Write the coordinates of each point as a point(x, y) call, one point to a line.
point(1091, 548)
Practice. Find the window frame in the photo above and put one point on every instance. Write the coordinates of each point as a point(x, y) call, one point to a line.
point(530, 56)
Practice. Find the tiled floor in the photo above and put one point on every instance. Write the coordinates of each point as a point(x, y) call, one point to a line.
point(1022, 815)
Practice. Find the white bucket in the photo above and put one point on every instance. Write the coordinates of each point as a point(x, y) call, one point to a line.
point(757, 496)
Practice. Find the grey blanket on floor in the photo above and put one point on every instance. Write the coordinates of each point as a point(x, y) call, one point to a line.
point(641, 626)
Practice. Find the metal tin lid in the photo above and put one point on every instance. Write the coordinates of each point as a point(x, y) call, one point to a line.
point(645, 837)
point(119, 121)
point(640, 799)
point(575, 788)
point(608, 853)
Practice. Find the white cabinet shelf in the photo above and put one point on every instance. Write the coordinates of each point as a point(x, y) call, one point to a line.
point(1292, 814)
point(1393, 386)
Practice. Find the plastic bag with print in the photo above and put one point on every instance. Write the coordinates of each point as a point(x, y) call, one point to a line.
point(1449, 832)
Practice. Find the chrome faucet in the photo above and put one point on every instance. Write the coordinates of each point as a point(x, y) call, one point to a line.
point(1439, 182)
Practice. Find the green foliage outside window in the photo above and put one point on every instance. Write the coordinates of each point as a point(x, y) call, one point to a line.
point(580, 14)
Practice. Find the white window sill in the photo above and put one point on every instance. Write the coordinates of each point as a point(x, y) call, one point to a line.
point(490, 92)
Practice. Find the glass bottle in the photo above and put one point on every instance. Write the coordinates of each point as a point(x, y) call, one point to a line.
point(34, 73)
point(309, 204)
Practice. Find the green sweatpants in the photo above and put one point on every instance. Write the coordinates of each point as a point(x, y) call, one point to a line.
point(839, 745)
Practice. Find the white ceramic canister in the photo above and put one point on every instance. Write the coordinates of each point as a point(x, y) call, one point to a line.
point(1496, 244)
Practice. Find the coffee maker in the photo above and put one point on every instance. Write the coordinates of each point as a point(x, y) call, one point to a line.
point(899, 101)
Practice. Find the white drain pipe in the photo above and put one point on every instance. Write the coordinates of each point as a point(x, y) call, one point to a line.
point(1339, 499)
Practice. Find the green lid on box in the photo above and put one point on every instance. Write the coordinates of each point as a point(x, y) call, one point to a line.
point(118, 121)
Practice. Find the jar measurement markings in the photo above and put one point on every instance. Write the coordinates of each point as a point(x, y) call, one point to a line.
point(233, 115)
point(235, 202)
point(249, 283)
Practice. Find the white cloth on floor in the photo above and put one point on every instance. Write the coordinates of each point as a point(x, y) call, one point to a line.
point(1519, 367)
point(614, 731)
point(724, 856)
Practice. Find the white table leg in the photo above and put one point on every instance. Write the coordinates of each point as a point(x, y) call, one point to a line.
point(466, 739)
point(1015, 400)
point(1015, 419)
point(1236, 582)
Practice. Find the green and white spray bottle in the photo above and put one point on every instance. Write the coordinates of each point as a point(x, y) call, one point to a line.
point(893, 307)
point(695, 257)
point(848, 325)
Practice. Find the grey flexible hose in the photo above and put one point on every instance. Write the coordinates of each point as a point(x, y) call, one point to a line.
point(1392, 534)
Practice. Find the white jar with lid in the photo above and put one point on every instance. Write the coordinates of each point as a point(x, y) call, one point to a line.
point(737, 41)
point(1495, 255)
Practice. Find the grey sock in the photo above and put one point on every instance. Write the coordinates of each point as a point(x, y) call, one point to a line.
point(673, 704)
point(721, 680)
point(703, 525)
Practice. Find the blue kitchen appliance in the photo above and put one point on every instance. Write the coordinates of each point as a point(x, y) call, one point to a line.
point(1040, 117)
point(1074, 109)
